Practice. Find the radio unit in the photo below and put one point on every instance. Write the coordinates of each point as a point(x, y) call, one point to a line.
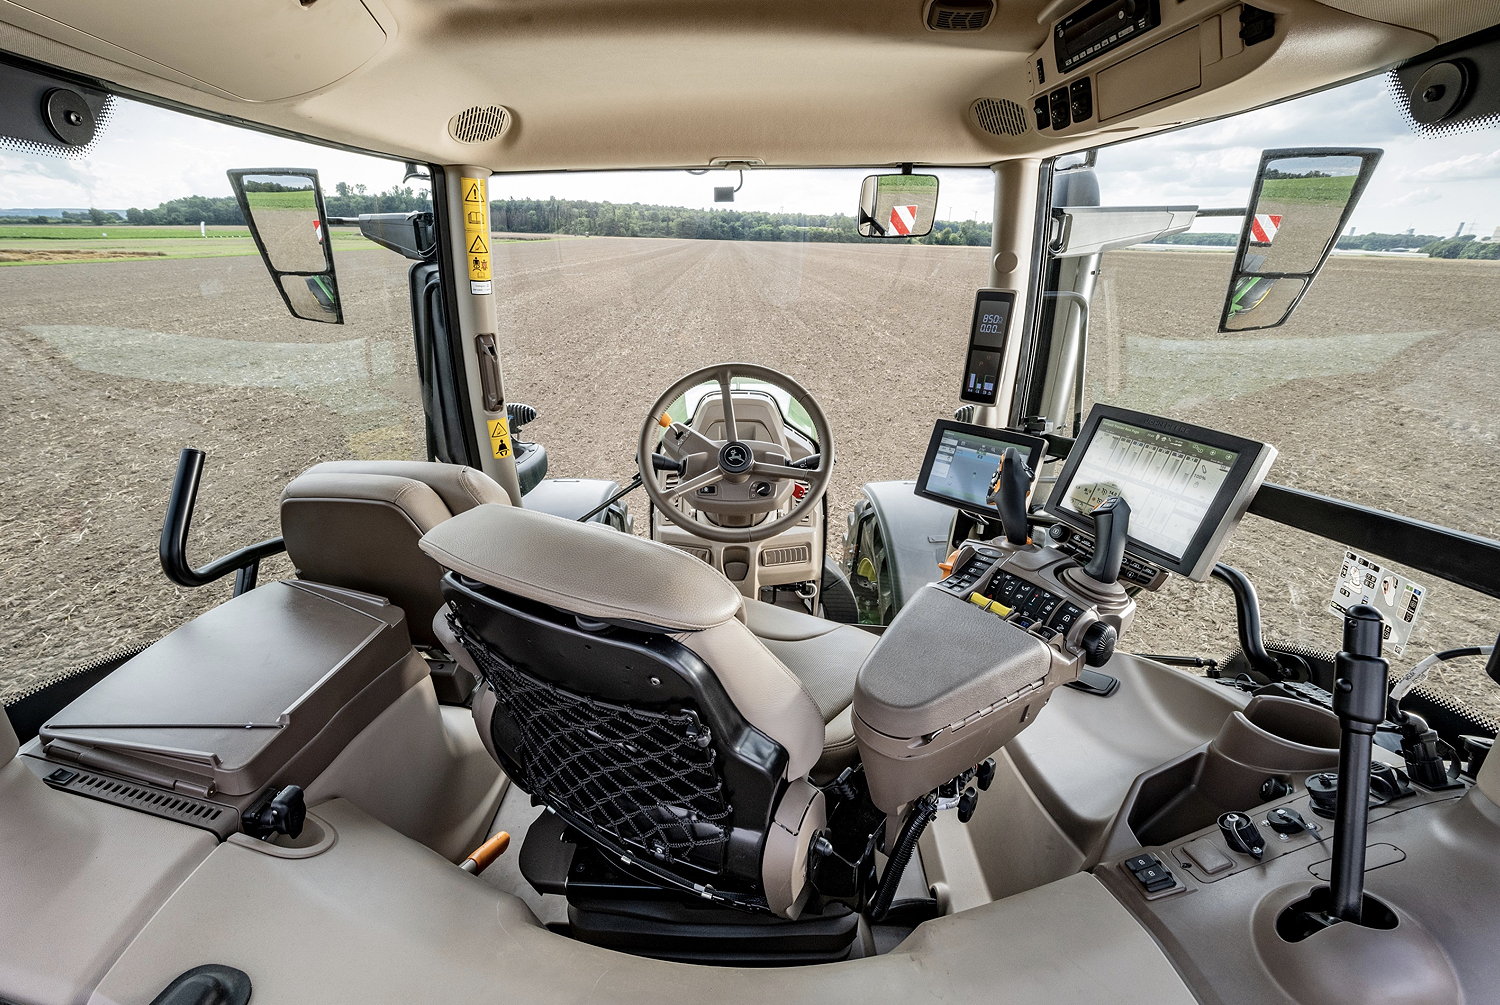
point(1097, 27)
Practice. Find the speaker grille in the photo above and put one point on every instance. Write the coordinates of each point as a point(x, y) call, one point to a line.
point(960, 15)
point(479, 124)
point(999, 117)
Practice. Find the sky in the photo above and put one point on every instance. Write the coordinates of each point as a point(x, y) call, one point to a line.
point(149, 155)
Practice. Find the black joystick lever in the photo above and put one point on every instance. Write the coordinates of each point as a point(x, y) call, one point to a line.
point(1359, 696)
point(1009, 492)
point(1111, 525)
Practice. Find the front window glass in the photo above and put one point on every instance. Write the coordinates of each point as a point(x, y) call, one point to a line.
point(1379, 390)
point(138, 319)
point(612, 285)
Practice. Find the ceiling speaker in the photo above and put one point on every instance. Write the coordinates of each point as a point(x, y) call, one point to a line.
point(999, 116)
point(960, 15)
point(480, 124)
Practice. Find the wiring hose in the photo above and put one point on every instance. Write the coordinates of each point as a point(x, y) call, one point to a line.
point(906, 843)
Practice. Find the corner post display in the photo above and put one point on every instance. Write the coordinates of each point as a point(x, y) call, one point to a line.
point(472, 286)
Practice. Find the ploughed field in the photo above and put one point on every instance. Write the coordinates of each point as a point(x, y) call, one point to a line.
point(1382, 390)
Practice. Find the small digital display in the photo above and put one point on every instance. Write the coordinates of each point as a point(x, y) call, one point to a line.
point(1169, 482)
point(1187, 486)
point(962, 459)
point(987, 336)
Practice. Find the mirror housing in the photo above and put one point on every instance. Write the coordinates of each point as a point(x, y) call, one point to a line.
point(898, 205)
point(283, 208)
point(1300, 203)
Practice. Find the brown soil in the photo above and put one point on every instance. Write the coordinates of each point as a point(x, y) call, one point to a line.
point(47, 257)
point(105, 374)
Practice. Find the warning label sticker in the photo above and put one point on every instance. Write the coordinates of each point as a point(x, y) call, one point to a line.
point(499, 438)
point(477, 239)
point(1398, 599)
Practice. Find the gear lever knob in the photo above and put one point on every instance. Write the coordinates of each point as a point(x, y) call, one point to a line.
point(1009, 490)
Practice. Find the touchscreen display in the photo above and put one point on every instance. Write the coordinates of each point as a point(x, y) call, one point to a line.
point(962, 459)
point(1170, 482)
point(987, 346)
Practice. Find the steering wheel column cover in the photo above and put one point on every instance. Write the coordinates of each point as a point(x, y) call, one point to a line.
point(729, 465)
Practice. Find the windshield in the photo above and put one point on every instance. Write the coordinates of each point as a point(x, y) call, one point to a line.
point(1380, 390)
point(616, 284)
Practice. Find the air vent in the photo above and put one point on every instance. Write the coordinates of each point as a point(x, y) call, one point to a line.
point(999, 117)
point(479, 124)
point(701, 554)
point(786, 556)
point(157, 802)
point(960, 15)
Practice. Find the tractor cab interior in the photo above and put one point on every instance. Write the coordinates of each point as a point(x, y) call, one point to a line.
point(462, 729)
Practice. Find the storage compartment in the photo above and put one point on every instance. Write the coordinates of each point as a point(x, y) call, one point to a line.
point(1272, 738)
point(264, 689)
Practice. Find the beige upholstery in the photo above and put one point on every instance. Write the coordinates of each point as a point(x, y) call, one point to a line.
point(355, 524)
point(597, 572)
point(8, 745)
point(588, 569)
point(826, 656)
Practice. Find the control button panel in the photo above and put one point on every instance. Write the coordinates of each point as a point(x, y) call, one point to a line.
point(982, 579)
point(1153, 876)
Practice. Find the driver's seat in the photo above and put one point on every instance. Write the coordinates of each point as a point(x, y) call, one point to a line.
point(625, 692)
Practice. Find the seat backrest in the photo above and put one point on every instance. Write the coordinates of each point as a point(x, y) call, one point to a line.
point(625, 692)
point(356, 524)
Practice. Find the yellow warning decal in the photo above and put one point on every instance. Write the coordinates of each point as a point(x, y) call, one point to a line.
point(476, 210)
point(499, 438)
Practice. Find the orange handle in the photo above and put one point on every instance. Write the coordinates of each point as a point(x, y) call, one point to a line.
point(946, 566)
point(664, 421)
point(484, 856)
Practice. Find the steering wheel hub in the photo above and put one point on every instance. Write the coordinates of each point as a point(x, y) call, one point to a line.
point(735, 458)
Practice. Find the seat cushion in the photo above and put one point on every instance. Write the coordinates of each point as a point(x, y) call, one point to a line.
point(826, 657)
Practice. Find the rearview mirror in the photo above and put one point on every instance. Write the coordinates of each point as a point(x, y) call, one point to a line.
point(898, 205)
point(283, 208)
point(1298, 208)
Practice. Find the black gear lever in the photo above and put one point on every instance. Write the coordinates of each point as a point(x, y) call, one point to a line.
point(1111, 525)
point(1009, 490)
point(1359, 696)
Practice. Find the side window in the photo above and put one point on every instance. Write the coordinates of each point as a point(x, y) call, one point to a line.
point(1380, 389)
point(138, 319)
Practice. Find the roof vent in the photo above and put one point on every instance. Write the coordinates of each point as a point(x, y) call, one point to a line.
point(960, 15)
point(479, 124)
point(999, 117)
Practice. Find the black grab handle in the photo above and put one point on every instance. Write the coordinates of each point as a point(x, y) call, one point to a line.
point(245, 563)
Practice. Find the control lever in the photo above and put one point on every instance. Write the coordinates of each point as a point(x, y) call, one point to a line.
point(1009, 492)
point(1111, 525)
point(1359, 697)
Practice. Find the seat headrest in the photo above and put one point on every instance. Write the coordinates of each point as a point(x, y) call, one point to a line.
point(583, 568)
point(460, 487)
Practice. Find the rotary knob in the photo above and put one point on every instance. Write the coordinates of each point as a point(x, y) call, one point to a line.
point(1099, 643)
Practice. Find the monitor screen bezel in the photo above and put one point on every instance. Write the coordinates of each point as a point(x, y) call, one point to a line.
point(1252, 460)
point(1033, 448)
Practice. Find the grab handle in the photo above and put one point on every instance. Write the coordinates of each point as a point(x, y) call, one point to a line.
point(244, 563)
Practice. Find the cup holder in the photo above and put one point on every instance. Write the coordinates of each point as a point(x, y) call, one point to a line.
point(1279, 735)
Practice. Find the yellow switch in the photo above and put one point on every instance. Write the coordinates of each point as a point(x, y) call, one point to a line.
point(980, 601)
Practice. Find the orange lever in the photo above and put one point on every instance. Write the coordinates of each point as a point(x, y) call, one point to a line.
point(946, 565)
point(484, 856)
point(665, 421)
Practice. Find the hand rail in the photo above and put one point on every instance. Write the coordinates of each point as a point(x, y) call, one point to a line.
point(244, 563)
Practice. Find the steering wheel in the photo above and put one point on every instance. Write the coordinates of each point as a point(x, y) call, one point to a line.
point(731, 478)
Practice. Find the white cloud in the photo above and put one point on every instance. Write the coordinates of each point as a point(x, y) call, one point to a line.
point(1466, 168)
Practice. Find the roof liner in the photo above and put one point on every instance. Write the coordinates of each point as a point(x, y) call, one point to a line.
point(595, 84)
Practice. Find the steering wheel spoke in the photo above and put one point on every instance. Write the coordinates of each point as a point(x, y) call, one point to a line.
point(731, 429)
point(710, 477)
point(781, 472)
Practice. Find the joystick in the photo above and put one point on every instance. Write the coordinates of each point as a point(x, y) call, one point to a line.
point(1111, 526)
point(1009, 493)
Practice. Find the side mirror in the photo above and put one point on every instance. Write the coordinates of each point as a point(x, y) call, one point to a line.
point(284, 210)
point(898, 205)
point(1298, 208)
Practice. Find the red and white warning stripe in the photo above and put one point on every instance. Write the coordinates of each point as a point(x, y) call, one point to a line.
point(318, 230)
point(903, 219)
point(1263, 227)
